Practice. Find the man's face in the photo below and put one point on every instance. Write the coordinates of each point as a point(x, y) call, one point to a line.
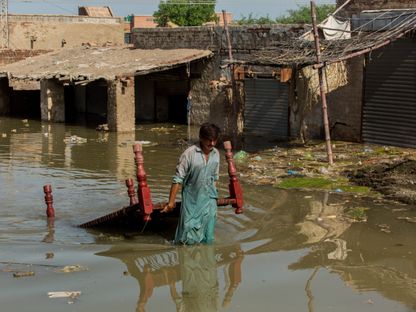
point(208, 144)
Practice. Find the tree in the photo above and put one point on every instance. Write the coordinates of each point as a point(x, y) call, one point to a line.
point(299, 16)
point(185, 12)
point(303, 14)
point(250, 20)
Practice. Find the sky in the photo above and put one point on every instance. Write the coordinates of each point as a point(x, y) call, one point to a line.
point(239, 8)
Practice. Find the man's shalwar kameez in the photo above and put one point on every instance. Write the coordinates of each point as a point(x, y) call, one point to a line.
point(199, 195)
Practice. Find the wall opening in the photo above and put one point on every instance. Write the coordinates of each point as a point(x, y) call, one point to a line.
point(162, 97)
point(96, 102)
point(71, 114)
point(25, 103)
point(177, 108)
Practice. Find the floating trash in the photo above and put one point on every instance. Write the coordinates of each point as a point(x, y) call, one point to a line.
point(72, 268)
point(23, 274)
point(75, 139)
point(64, 294)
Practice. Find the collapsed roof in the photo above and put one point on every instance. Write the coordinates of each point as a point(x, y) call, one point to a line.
point(371, 30)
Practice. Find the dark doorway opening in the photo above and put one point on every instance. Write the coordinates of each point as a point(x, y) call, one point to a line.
point(162, 96)
point(25, 104)
point(177, 108)
point(70, 108)
point(96, 103)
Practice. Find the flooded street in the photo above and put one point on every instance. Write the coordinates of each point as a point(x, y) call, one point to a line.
point(290, 250)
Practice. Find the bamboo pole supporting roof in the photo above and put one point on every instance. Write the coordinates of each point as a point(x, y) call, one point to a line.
point(87, 63)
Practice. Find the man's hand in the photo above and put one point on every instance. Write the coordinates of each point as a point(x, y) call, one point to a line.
point(168, 208)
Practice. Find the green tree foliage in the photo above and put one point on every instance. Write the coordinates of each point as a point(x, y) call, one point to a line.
point(301, 15)
point(185, 12)
point(251, 20)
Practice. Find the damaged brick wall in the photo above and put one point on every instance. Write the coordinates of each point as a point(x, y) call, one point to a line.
point(8, 56)
point(244, 38)
point(344, 101)
point(212, 93)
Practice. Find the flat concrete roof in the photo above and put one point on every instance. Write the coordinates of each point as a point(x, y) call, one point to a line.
point(92, 63)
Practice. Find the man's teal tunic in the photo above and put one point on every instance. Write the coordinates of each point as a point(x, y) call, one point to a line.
point(199, 195)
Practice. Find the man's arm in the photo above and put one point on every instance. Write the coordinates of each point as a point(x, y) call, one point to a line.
point(172, 198)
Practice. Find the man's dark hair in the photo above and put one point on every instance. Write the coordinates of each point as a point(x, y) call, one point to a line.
point(209, 131)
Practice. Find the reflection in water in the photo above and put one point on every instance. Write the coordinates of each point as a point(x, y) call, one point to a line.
point(374, 259)
point(308, 289)
point(194, 268)
point(49, 237)
point(88, 180)
point(199, 279)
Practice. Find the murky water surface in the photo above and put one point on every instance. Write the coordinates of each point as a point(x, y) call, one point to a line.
point(289, 251)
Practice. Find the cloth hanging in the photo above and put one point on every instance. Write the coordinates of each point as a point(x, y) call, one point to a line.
point(336, 29)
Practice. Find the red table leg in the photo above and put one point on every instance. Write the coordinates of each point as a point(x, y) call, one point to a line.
point(131, 192)
point(143, 191)
point(236, 192)
point(50, 211)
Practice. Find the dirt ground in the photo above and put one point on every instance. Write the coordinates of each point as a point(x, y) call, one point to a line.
point(358, 168)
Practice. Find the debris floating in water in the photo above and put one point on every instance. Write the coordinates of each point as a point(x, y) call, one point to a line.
point(72, 268)
point(23, 274)
point(64, 294)
point(75, 139)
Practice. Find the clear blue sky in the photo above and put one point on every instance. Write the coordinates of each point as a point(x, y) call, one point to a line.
point(273, 8)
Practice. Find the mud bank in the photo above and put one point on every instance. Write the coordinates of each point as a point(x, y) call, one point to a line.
point(396, 180)
point(370, 170)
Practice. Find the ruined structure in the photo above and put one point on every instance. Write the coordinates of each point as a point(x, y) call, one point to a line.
point(275, 76)
point(64, 84)
point(220, 96)
point(266, 84)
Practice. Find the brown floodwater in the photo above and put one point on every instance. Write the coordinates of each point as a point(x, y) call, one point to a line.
point(289, 251)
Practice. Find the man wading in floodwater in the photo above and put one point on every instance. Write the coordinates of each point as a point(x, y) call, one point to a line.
point(197, 171)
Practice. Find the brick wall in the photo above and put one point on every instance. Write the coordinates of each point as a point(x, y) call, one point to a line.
point(8, 56)
point(243, 38)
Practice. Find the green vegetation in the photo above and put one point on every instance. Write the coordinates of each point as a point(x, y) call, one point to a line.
point(356, 189)
point(298, 182)
point(185, 12)
point(340, 184)
point(301, 15)
point(251, 20)
point(357, 213)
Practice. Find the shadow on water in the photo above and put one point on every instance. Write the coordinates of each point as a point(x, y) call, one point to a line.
point(290, 250)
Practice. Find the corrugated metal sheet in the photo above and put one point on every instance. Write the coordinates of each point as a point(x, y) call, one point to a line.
point(381, 20)
point(389, 115)
point(266, 108)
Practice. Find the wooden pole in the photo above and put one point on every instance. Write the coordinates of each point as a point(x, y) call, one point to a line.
point(230, 52)
point(234, 113)
point(322, 87)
